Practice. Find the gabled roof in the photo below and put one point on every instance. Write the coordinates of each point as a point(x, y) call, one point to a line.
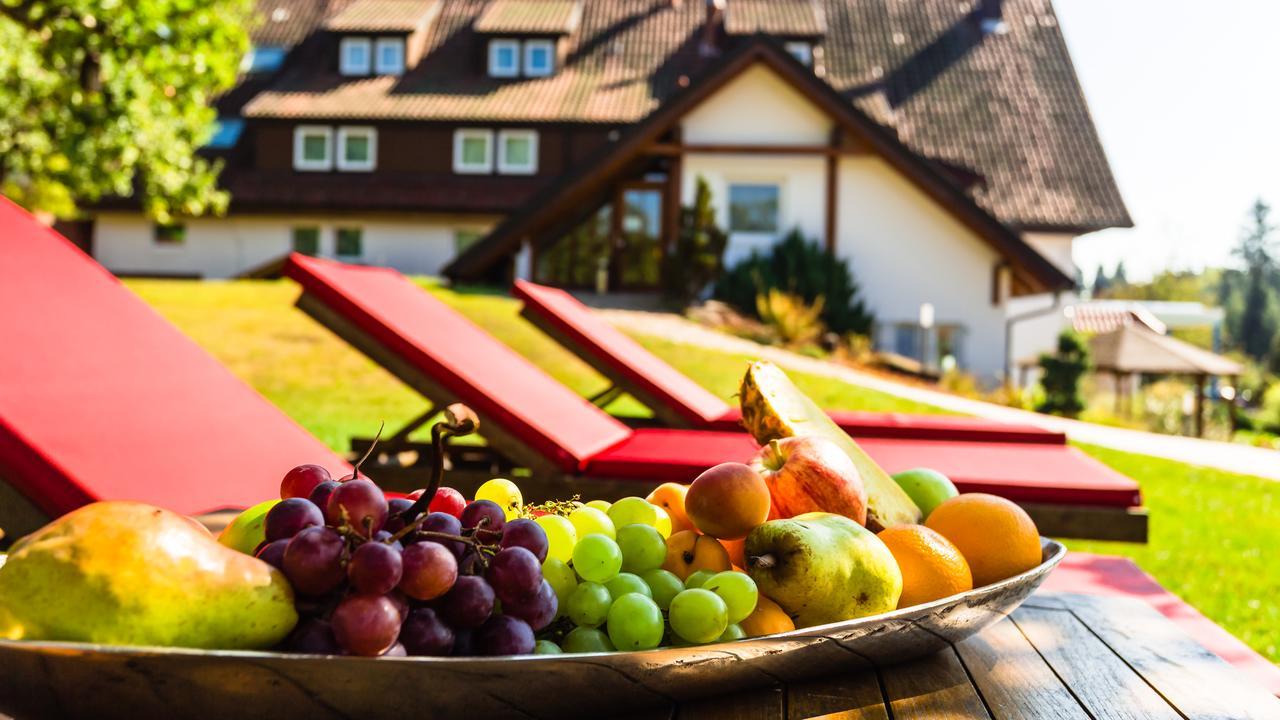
point(582, 188)
point(384, 16)
point(784, 18)
point(1007, 107)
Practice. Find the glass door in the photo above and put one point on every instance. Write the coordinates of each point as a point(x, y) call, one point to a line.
point(637, 261)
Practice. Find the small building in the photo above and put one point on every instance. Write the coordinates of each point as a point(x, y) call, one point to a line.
point(943, 148)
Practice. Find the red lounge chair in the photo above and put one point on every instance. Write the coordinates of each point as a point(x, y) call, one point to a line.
point(539, 423)
point(681, 402)
point(100, 398)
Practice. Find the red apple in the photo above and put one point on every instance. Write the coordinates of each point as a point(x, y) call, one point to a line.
point(811, 474)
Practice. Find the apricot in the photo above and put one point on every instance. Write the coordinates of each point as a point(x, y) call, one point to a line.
point(735, 550)
point(768, 618)
point(670, 497)
point(688, 552)
point(727, 501)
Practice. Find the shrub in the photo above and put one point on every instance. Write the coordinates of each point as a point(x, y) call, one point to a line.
point(1062, 373)
point(695, 260)
point(799, 267)
point(793, 321)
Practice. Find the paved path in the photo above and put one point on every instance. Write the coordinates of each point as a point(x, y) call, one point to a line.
point(1225, 456)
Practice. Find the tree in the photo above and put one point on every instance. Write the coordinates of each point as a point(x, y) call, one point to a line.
point(1118, 278)
point(695, 260)
point(1255, 249)
point(111, 98)
point(1062, 374)
point(1101, 283)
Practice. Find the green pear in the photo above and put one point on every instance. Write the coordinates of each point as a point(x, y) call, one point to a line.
point(248, 530)
point(823, 568)
point(133, 574)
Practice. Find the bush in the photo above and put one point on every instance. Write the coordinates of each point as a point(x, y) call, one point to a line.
point(793, 321)
point(1062, 373)
point(803, 268)
point(695, 260)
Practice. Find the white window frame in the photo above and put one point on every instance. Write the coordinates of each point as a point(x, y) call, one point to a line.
point(348, 131)
point(300, 162)
point(459, 137)
point(494, 69)
point(508, 169)
point(780, 221)
point(345, 67)
point(396, 68)
point(800, 50)
point(529, 47)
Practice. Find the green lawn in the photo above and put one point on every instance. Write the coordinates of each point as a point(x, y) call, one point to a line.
point(1212, 533)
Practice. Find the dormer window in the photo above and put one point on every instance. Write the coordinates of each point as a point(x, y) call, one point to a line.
point(355, 56)
point(527, 37)
point(539, 58)
point(504, 58)
point(801, 51)
point(388, 56)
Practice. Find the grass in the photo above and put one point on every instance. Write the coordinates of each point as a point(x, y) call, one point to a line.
point(1212, 533)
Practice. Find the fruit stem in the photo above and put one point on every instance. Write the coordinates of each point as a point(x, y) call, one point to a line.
point(355, 474)
point(764, 562)
point(458, 420)
point(776, 459)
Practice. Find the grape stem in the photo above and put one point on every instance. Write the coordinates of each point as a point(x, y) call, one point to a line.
point(459, 420)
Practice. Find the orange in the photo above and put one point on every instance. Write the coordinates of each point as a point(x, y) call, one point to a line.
point(767, 619)
point(996, 537)
point(932, 567)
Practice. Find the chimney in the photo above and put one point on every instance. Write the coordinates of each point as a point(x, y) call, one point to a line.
point(990, 17)
point(711, 28)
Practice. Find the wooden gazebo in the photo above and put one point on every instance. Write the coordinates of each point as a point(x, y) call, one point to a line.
point(1136, 350)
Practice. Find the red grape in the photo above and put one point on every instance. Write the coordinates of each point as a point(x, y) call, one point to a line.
point(360, 504)
point(515, 574)
point(395, 509)
point(469, 603)
point(313, 561)
point(525, 533)
point(313, 637)
point(447, 500)
point(488, 513)
point(384, 537)
point(401, 602)
point(504, 635)
point(290, 515)
point(366, 625)
point(424, 633)
point(272, 553)
point(429, 571)
point(375, 568)
point(463, 642)
point(396, 650)
point(320, 496)
point(444, 523)
point(538, 609)
point(300, 481)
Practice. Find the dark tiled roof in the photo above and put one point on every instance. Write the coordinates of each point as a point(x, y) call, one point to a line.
point(285, 23)
point(785, 18)
point(384, 16)
point(535, 17)
point(1006, 106)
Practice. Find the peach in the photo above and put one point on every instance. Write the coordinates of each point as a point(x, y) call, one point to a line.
point(689, 552)
point(670, 497)
point(727, 501)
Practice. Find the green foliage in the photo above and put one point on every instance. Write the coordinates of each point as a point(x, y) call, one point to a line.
point(1255, 249)
point(699, 246)
point(1062, 373)
point(105, 97)
point(800, 267)
point(795, 322)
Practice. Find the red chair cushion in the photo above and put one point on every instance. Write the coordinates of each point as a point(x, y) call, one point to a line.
point(493, 379)
point(101, 399)
point(660, 455)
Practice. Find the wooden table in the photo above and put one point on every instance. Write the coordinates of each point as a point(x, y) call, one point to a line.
point(1059, 657)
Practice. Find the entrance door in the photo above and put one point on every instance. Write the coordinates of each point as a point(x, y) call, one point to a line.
point(636, 263)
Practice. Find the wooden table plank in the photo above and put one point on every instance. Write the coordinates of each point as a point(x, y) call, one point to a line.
point(1187, 675)
point(762, 704)
point(1100, 680)
point(933, 687)
point(1015, 682)
point(855, 696)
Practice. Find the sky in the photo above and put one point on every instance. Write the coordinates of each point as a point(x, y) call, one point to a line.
point(1186, 97)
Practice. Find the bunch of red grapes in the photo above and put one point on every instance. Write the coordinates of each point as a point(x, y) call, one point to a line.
point(375, 577)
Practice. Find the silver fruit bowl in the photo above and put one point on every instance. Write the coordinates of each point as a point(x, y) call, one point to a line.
point(61, 679)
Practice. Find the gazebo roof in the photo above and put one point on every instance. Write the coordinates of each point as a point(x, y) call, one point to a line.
point(1136, 349)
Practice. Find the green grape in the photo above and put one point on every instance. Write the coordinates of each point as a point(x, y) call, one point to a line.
point(664, 522)
point(586, 640)
point(563, 581)
point(588, 520)
point(699, 616)
point(597, 558)
point(737, 590)
point(601, 505)
point(546, 647)
point(733, 632)
point(642, 548)
point(505, 493)
point(635, 623)
point(588, 604)
point(633, 510)
point(664, 585)
point(561, 536)
point(624, 583)
point(697, 577)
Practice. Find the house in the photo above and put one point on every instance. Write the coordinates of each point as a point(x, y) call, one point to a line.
point(943, 147)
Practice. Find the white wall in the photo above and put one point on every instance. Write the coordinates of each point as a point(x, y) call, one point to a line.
point(1056, 247)
point(1037, 333)
point(757, 107)
point(222, 247)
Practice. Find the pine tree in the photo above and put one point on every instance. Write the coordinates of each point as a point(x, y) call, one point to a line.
point(1101, 283)
point(1255, 249)
point(1118, 278)
point(1062, 374)
point(699, 246)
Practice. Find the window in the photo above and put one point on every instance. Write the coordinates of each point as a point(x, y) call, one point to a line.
point(169, 235)
point(263, 59)
point(753, 208)
point(350, 243)
point(518, 152)
point(539, 58)
point(388, 57)
point(473, 151)
point(353, 56)
point(226, 133)
point(357, 148)
point(504, 58)
point(313, 148)
point(801, 51)
point(306, 240)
